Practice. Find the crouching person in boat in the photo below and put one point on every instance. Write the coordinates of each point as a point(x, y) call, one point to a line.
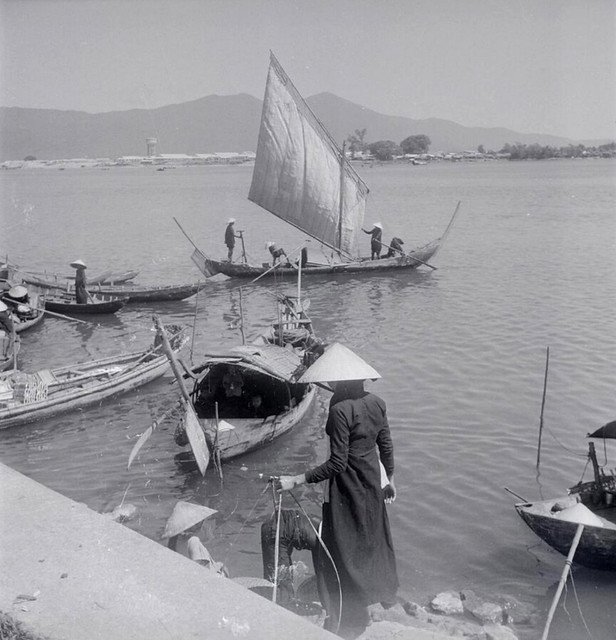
point(395, 248)
point(276, 252)
point(359, 567)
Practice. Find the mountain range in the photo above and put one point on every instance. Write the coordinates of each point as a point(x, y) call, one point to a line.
point(224, 123)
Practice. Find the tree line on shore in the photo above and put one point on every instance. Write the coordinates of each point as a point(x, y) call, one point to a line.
point(385, 150)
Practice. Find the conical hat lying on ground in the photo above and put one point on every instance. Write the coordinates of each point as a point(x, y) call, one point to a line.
point(185, 515)
point(339, 363)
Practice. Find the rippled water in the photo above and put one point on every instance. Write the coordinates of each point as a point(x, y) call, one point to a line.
point(530, 263)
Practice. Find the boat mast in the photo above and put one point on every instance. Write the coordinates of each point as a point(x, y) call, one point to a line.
point(341, 199)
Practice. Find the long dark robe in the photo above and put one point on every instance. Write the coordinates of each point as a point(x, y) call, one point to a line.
point(81, 292)
point(355, 526)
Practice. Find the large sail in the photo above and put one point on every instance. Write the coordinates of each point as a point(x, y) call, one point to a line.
point(297, 174)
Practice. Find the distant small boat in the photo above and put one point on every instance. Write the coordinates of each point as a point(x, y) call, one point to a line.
point(101, 304)
point(597, 545)
point(65, 283)
point(111, 278)
point(26, 397)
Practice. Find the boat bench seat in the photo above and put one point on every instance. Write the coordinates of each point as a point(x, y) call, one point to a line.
point(46, 376)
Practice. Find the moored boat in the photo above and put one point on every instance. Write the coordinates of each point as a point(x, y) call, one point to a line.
point(597, 544)
point(65, 303)
point(247, 396)
point(163, 293)
point(27, 308)
point(26, 397)
point(302, 177)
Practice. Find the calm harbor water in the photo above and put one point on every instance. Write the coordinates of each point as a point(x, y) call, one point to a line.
point(530, 263)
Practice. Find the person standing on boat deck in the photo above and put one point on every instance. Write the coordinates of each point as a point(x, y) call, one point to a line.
point(277, 252)
point(355, 526)
point(230, 237)
point(375, 243)
point(81, 292)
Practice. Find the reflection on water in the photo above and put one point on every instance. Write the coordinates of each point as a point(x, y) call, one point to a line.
point(461, 350)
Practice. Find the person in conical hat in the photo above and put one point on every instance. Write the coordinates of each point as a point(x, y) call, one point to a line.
point(81, 284)
point(18, 293)
point(355, 524)
point(376, 243)
point(230, 237)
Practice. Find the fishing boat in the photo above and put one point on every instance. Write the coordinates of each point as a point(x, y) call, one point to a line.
point(245, 397)
point(597, 545)
point(26, 397)
point(137, 293)
point(66, 303)
point(26, 312)
point(302, 177)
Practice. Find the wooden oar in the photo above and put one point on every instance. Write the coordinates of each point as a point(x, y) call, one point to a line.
point(195, 433)
point(59, 315)
point(145, 436)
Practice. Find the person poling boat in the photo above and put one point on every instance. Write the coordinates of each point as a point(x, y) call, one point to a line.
point(82, 295)
point(230, 237)
point(375, 242)
point(355, 522)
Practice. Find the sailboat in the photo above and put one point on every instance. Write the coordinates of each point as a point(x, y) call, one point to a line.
point(301, 176)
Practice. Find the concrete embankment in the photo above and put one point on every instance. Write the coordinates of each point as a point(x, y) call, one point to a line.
point(69, 573)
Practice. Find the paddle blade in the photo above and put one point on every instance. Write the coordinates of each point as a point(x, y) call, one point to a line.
point(196, 438)
point(143, 438)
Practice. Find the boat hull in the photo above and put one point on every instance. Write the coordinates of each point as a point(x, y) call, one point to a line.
point(249, 434)
point(89, 387)
point(97, 307)
point(410, 261)
point(597, 546)
point(152, 294)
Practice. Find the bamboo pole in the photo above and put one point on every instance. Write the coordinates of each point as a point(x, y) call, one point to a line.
point(545, 384)
point(563, 579)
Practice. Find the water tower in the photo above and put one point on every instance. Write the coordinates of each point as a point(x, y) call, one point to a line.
point(151, 144)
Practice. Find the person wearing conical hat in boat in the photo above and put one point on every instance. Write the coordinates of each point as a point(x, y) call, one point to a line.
point(81, 292)
point(17, 294)
point(376, 243)
point(230, 237)
point(355, 525)
point(276, 251)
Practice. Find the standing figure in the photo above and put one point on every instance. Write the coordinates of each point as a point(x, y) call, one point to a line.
point(81, 292)
point(230, 237)
point(277, 252)
point(355, 525)
point(375, 243)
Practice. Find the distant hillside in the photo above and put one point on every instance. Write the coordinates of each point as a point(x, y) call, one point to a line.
point(220, 123)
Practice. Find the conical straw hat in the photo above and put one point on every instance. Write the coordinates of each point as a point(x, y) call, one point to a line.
point(579, 514)
point(18, 291)
point(185, 515)
point(339, 363)
point(78, 264)
point(3, 307)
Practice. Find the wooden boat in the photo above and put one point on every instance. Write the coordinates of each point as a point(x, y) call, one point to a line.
point(26, 315)
point(66, 283)
point(26, 397)
point(597, 546)
point(113, 277)
point(136, 293)
point(301, 176)
point(65, 303)
point(247, 396)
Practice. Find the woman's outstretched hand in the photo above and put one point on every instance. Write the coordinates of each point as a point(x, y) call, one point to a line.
point(286, 483)
point(389, 492)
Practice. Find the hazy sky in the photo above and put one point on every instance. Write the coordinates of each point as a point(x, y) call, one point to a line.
point(535, 66)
